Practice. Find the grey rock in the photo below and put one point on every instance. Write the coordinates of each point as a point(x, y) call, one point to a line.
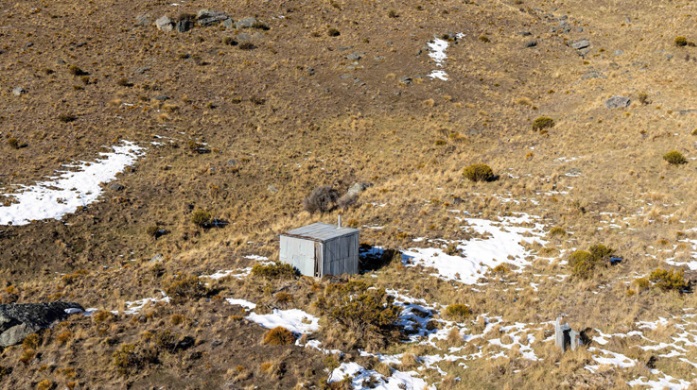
point(229, 23)
point(582, 44)
point(355, 56)
point(142, 69)
point(272, 188)
point(162, 98)
point(618, 52)
point(206, 17)
point(19, 91)
point(249, 22)
point(143, 20)
point(164, 24)
point(357, 188)
point(116, 187)
point(18, 320)
point(157, 258)
point(532, 43)
point(405, 80)
point(593, 74)
point(617, 102)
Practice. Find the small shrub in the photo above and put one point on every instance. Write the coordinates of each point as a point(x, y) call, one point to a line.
point(63, 336)
point(557, 231)
point(201, 218)
point(332, 32)
point(642, 284)
point(484, 38)
point(600, 252)
point(322, 199)
point(177, 319)
point(230, 41)
point(479, 172)
point(126, 359)
point(392, 14)
point(542, 122)
point(246, 46)
point(46, 384)
point(185, 286)
point(457, 312)
point(67, 118)
point(582, 264)
point(680, 41)
point(283, 297)
point(668, 280)
point(76, 71)
point(452, 250)
point(279, 336)
point(675, 158)
point(123, 82)
point(274, 271)
point(644, 98)
point(501, 269)
point(101, 316)
point(14, 143)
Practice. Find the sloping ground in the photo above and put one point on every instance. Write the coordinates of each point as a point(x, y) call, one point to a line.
point(332, 93)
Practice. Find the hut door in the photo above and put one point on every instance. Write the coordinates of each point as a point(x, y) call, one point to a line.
point(318, 259)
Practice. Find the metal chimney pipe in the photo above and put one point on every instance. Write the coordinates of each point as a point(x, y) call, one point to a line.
point(339, 224)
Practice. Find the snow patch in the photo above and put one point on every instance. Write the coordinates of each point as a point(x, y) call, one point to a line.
point(294, 320)
point(63, 194)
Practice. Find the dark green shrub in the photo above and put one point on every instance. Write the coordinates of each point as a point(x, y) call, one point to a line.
point(126, 359)
point(668, 280)
point(279, 336)
point(680, 41)
point(201, 218)
point(600, 252)
point(185, 286)
point(457, 312)
point(584, 263)
point(359, 308)
point(675, 158)
point(274, 271)
point(543, 122)
point(479, 172)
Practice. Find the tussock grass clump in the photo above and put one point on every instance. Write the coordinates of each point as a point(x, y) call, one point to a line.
point(457, 312)
point(675, 158)
point(557, 231)
point(45, 384)
point(274, 271)
point(501, 269)
point(542, 122)
point(128, 358)
point(201, 218)
point(479, 172)
point(278, 336)
point(680, 41)
point(323, 199)
point(77, 71)
point(185, 286)
point(584, 263)
point(332, 32)
point(67, 118)
point(14, 143)
point(668, 280)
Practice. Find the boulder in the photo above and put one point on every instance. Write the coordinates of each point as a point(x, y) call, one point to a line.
point(580, 45)
point(18, 320)
point(206, 17)
point(617, 102)
point(164, 24)
point(357, 188)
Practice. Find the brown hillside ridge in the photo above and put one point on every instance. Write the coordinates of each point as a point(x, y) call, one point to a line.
point(257, 118)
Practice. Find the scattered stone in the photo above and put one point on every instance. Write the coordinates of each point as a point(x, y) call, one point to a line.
point(405, 80)
point(19, 91)
point(617, 102)
point(18, 320)
point(162, 98)
point(142, 69)
point(207, 17)
point(272, 188)
point(251, 22)
point(532, 43)
point(229, 23)
point(157, 258)
point(355, 56)
point(143, 20)
point(357, 188)
point(116, 187)
point(311, 71)
point(582, 44)
point(164, 24)
point(525, 33)
point(593, 74)
point(618, 52)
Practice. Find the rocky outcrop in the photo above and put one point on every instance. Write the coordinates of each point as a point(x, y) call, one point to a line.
point(18, 320)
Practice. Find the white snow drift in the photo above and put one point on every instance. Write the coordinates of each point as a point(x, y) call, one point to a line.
point(66, 192)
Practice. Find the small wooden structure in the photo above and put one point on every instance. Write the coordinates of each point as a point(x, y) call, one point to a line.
point(321, 249)
point(565, 337)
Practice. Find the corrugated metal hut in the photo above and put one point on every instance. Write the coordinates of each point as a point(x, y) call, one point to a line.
point(321, 249)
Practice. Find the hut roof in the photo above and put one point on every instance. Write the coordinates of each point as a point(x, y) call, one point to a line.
point(320, 232)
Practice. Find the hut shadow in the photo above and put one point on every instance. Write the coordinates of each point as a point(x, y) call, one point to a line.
point(373, 258)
